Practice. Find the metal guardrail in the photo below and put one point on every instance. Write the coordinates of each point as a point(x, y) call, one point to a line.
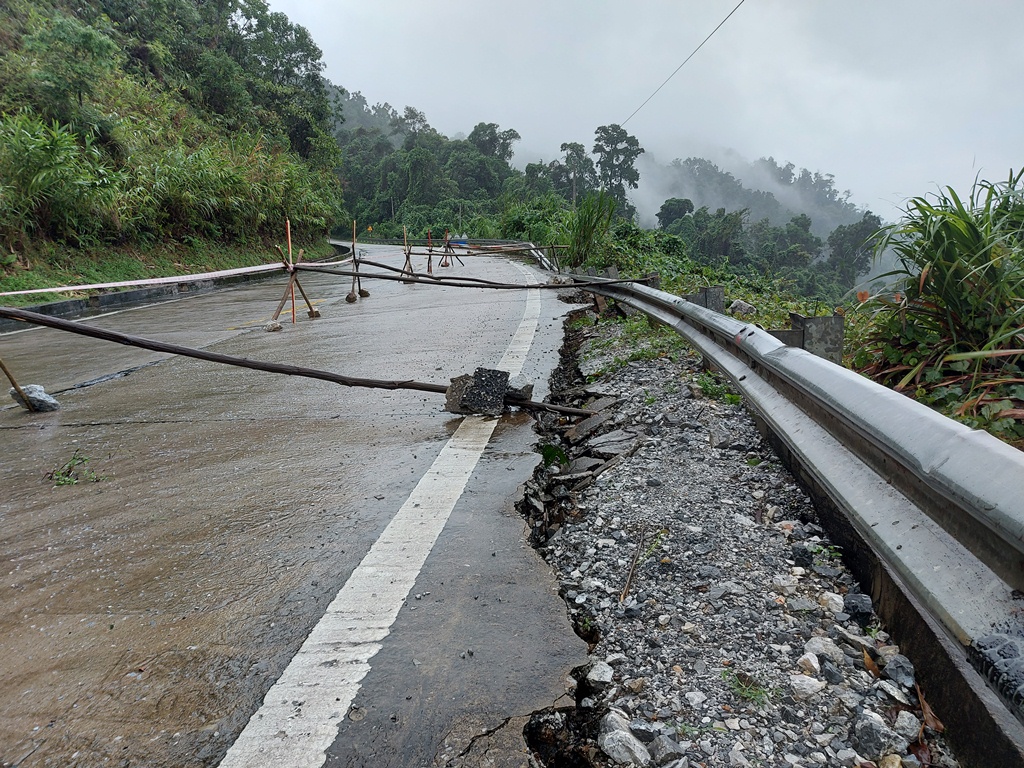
point(950, 470)
point(936, 508)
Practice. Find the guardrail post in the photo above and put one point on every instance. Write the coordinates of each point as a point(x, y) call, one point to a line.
point(710, 297)
point(714, 298)
point(821, 336)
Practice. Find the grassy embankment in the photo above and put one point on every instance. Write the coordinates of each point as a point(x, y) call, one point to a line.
point(51, 265)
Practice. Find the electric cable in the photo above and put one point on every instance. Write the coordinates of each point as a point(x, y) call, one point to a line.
point(684, 62)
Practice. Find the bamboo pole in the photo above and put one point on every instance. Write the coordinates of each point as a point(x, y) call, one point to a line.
point(363, 293)
point(408, 255)
point(352, 295)
point(291, 283)
point(466, 282)
point(17, 387)
point(35, 318)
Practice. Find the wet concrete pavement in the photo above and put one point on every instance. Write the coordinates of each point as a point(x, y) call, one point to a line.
point(145, 616)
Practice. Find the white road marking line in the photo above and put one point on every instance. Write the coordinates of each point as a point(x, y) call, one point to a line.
point(298, 720)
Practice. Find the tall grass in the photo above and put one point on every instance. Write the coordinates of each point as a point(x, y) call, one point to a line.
point(952, 334)
point(57, 185)
point(50, 184)
point(588, 227)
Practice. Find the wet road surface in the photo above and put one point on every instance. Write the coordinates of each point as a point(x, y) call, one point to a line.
point(145, 616)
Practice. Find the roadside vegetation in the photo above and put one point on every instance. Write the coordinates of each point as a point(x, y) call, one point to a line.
point(950, 331)
point(169, 134)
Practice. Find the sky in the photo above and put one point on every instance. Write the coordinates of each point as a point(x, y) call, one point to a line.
point(895, 98)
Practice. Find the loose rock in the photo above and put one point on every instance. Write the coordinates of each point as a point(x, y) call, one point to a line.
point(733, 593)
point(35, 396)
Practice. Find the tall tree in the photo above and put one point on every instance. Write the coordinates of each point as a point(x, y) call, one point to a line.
point(493, 143)
point(410, 123)
point(850, 248)
point(672, 210)
point(70, 57)
point(580, 169)
point(617, 152)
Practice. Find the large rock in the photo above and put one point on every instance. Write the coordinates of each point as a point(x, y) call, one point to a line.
point(741, 308)
point(900, 670)
point(874, 739)
point(858, 606)
point(824, 647)
point(600, 676)
point(36, 396)
point(617, 741)
point(592, 679)
point(611, 443)
point(665, 750)
point(804, 687)
point(520, 386)
point(907, 726)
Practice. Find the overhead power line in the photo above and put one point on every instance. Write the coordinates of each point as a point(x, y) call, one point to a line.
point(684, 62)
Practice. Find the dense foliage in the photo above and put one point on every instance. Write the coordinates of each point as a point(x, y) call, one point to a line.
point(401, 174)
point(128, 123)
point(952, 335)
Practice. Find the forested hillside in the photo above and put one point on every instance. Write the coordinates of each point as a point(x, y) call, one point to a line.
point(134, 123)
point(128, 125)
point(399, 172)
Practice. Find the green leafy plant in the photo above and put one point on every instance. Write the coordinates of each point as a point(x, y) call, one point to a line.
point(659, 537)
point(826, 553)
point(710, 386)
point(587, 228)
point(553, 454)
point(745, 686)
point(951, 334)
point(73, 471)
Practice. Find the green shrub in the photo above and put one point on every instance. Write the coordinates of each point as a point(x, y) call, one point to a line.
point(952, 332)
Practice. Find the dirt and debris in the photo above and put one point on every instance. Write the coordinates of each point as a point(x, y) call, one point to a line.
point(723, 627)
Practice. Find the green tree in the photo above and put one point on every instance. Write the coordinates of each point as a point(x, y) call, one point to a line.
point(617, 152)
point(672, 210)
point(492, 142)
point(471, 171)
point(851, 247)
point(579, 168)
point(71, 58)
point(409, 123)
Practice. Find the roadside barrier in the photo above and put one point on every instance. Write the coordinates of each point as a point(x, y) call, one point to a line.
point(930, 512)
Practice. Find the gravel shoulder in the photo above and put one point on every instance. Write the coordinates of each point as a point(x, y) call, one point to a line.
point(724, 628)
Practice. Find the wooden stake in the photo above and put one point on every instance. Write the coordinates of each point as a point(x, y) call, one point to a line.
point(408, 255)
point(291, 282)
point(359, 281)
point(352, 296)
point(284, 298)
point(314, 313)
point(18, 389)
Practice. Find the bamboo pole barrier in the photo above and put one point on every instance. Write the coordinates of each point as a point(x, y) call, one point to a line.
point(35, 318)
point(407, 267)
point(465, 282)
point(293, 283)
